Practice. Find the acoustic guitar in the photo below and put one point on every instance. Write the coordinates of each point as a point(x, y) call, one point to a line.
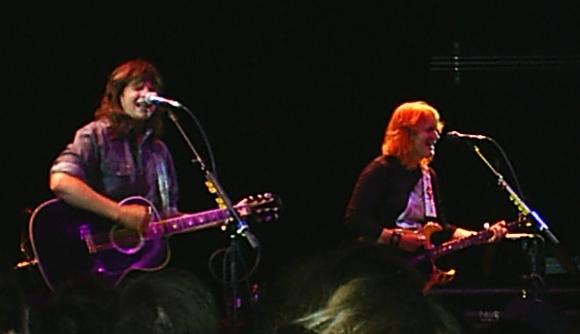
point(68, 242)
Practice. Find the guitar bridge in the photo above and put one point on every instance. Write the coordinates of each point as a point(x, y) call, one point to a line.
point(85, 234)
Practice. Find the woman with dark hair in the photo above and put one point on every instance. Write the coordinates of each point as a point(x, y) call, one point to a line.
point(119, 154)
point(116, 188)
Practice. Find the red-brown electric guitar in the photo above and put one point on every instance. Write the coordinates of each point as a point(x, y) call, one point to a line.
point(432, 252)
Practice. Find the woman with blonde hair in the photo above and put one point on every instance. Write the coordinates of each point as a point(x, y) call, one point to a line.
point(396, 194)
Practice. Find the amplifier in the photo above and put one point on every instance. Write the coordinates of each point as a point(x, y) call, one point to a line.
point(549, 310)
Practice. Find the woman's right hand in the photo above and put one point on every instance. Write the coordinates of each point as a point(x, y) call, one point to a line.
point(412, 240)
point(134, 216)
point(406, 240)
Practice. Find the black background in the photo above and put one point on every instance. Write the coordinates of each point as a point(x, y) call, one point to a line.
point(294, 99)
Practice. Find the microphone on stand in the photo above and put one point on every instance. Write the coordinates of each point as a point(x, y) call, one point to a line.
point(455, 134)
point(153, 98)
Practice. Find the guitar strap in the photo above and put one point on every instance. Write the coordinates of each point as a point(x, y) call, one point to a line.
point(428, 198)
point(162, 184)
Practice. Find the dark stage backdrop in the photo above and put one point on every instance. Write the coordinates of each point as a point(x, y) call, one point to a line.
point(294, 99)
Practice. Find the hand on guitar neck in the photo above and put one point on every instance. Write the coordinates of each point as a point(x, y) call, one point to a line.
point(413, 240)
point(498, 231)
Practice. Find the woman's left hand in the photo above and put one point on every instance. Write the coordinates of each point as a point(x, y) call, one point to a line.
point(499, 230)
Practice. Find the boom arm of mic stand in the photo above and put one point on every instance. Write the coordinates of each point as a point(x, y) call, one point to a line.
point(513, 196)
point(242, 227)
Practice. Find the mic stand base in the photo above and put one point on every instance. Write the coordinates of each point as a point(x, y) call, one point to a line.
point(238, 305)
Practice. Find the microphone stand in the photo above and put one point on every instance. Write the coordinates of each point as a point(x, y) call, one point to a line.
point(240, 228)
point(525, 211)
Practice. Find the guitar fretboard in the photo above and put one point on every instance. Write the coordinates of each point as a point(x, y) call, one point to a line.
point(456, 245)
point(476, 239)
point(188, 223)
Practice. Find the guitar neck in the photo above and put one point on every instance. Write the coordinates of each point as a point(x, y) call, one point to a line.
point(189, 222)
point(456, 245)
point(473, 240)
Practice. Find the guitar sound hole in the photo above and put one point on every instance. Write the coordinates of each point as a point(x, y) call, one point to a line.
point(126, 241)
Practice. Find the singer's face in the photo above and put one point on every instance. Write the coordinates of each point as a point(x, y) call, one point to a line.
point(425, 137)
point(130, 97)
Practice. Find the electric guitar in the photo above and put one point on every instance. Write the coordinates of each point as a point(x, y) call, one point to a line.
point(68, 242)
point(432, 252)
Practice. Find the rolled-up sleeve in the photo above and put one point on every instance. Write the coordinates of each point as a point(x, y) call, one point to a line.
point(77, 155)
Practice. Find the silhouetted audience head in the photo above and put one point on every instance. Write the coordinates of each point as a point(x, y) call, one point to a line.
point(170, 301)
point(78, 306)
point(359, 288)
point(13, 305)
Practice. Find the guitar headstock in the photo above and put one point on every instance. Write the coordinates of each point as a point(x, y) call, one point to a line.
point(263, 207)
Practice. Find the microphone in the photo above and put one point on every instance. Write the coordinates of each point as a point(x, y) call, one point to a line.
point(455, 134)
point(153, 98)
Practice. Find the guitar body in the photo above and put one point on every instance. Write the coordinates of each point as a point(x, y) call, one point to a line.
point(437, 276)
point(70, 243)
